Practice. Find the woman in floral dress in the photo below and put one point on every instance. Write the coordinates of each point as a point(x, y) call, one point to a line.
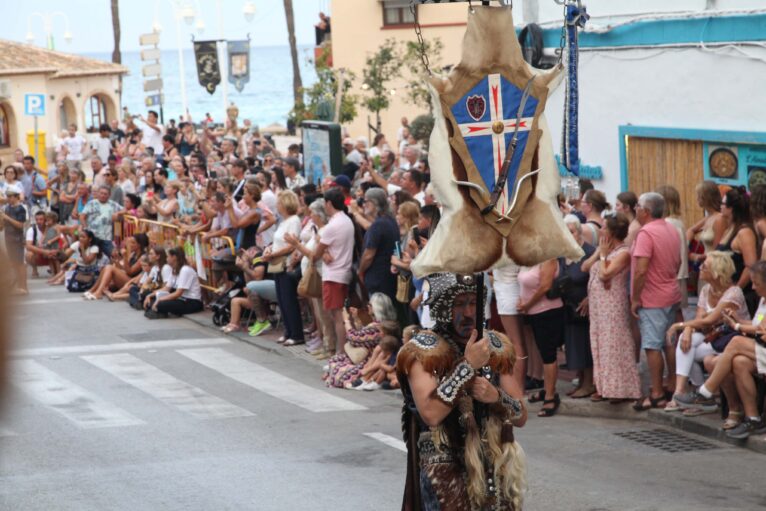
point(347, 365)
point(614, 365)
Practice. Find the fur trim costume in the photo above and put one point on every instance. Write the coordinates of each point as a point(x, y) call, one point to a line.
point(470, 461)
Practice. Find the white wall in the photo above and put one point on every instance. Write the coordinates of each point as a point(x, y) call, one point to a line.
point(550, 11)
point(681, 88)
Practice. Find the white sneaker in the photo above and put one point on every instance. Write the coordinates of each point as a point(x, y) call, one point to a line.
point(370, 385)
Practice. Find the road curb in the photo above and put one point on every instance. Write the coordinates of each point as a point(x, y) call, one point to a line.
point(705, 425)
point(708, 425)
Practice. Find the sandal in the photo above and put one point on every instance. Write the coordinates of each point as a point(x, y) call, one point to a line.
point(550, 412)
point(732, 421)
point(536, 397)
point(596, 397)
point(654, 402)
point(582, 393)
point(230, 328)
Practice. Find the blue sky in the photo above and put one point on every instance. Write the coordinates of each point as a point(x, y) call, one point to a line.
point(91, 26)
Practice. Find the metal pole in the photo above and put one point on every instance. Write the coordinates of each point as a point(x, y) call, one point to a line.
point(37, 156)
point(222, 56)
point(181, 67)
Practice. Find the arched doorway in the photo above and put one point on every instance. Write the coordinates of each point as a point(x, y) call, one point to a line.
point(99, 109)
point(67, 113)
point(7, 127)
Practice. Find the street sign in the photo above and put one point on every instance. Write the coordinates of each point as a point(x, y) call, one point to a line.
point(147, 39)
point(154, 100)
point(34, 104)
point(150, 54)
point(152, 70)
point(152, 85)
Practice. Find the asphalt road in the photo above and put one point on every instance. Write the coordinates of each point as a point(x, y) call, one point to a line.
point(109, 411)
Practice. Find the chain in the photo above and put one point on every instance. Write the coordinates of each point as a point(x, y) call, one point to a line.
point(562, 41)
point(421, 41)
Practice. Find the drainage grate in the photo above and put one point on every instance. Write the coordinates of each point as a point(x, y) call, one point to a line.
point(668, 441)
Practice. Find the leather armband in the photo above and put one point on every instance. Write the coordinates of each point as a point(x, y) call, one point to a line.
point(507, 405)
point(450, 388)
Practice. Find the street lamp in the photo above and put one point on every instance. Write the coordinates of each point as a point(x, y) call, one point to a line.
point(47, 19)
point(249, 11)
point(181, 10)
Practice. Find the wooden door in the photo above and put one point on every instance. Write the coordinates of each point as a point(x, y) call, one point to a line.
point(654, 162)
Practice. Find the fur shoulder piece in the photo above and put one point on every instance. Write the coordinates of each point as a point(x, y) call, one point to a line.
point(502, 356)
point(432, 351)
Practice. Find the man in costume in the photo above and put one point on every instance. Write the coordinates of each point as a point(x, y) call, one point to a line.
point(460, 406)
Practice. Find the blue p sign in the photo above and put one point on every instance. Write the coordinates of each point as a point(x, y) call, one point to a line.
point(34, 104)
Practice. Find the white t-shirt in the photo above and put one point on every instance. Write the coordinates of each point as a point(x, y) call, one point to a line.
point(103, 147)
point(188, 281)
point(31, 236)
point(153, 138)
point(74, 147)
point(93, 249)
point(392, 189)
point(421, 198)
point(291, 224)
point(128, 186)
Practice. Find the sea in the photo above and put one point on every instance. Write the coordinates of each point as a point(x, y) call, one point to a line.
point(267, 98)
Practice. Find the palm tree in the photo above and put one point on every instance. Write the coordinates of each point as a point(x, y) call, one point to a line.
point(297, 82)
point(116, 54)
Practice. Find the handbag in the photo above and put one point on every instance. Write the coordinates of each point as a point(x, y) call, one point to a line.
point(403, 283)
point(310, 285)
point(81, 281)
point(277, 265)
point(560, 284)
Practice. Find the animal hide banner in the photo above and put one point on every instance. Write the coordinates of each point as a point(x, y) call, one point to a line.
point(239, 63)
point(491, 98)
point(208, 69)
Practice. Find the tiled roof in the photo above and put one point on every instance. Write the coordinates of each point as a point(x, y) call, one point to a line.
point(20, 58)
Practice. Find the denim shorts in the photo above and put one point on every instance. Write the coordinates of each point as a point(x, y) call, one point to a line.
point(653, 324)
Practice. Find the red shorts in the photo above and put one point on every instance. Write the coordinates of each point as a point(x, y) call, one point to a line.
point(333, 295)
point(41, 260)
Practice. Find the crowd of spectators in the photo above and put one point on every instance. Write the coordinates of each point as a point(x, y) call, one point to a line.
point(328, 262)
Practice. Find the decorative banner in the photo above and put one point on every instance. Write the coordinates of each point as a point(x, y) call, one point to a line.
point(208, 71)
point(239, 63)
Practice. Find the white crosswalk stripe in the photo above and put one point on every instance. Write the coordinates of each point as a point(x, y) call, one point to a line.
point(165, 387)
point(268, 381)
point(80, 406)
point(388, 440)
point(117, 346)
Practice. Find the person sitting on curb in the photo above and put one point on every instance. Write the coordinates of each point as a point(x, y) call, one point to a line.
point(743, 356)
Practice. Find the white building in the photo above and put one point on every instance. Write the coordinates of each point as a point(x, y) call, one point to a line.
point(77, 90)
point(663, 85)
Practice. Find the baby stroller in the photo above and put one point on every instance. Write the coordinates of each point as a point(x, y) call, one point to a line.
point(221, 306)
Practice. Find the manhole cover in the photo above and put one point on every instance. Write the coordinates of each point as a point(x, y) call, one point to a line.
point(668, 441)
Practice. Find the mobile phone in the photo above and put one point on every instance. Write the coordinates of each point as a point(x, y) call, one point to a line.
point(398, 250)
point(150, 194)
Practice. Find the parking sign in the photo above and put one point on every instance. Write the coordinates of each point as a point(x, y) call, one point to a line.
point(34, 104)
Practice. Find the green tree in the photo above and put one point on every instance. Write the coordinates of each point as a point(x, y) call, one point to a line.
point(418, 93)
point(381, 68)
point(320, 99)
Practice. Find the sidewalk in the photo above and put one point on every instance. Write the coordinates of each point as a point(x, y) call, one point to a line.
point(708, 425)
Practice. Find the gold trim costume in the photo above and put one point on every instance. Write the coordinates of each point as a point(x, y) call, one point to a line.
point(470, 461)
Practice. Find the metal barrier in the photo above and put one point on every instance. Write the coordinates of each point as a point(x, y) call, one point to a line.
point(161, 234)
point(124, 228)
point(200, 254)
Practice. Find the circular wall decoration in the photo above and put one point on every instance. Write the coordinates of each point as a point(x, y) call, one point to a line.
point(723, 163)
